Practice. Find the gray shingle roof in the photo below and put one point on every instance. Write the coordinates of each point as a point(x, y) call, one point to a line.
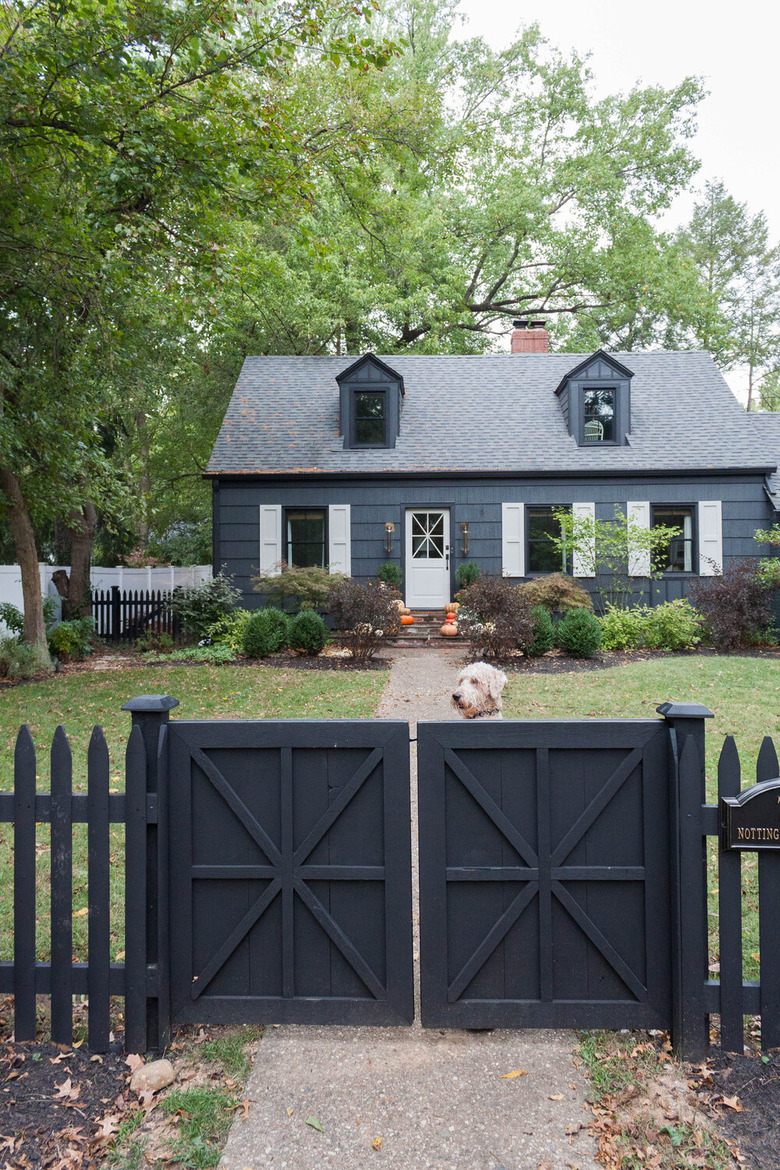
point(489, 413)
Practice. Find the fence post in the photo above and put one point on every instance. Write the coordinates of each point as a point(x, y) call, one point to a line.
point(116, 614)
point(150, 715)
point(690, 1023)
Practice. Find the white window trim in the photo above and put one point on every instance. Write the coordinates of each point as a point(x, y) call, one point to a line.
point(585, 567)
point(340, 539)
point(638, 514)
point(710, 538)
point(271, 539)
point(513, 540)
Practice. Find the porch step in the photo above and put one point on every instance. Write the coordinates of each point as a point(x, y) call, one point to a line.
point(425, 631)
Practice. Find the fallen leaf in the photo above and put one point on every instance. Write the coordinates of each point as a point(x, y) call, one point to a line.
point(66, 1091)
point(517, 1072)
point(81, 913)
point(555, 1097)
point(730, 1103)
point(290, 1110)
point(315, 1123)
point(133, 1061)
point(376, 1143)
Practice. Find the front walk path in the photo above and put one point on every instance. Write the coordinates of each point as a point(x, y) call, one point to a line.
point(435, 1098)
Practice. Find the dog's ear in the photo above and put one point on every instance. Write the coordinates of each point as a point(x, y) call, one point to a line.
point(497, 683)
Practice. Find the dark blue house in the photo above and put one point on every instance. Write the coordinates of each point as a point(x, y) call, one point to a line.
point(431, 461)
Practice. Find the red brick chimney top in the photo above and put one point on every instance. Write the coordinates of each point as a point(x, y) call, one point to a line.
point(530, 337)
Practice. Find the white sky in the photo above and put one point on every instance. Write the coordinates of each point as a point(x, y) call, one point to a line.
point(733, 47)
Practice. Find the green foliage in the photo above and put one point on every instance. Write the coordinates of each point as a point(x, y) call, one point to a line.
point(579, 633)
point(186, 542)
point(467, 573)
point(266, 632)
point(13, 618)
point(494, 618)
point(308, 588)
point(768, 572)
point(366, 616)
point(229, 1050)
point(391, 573)
point(308, 633)
point(674, 625)
point(72, 641)
point(557, 592)
point(204, 1116)
point(21, 660)
point(198, 607)
point(544, 632)
point(768, 536)
point(229, 630)
point(604, 547)
point(160, 643)
point(216, 655)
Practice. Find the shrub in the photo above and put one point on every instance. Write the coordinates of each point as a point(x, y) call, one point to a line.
point(622, 629)
point(229, 630)
point(265, 633)
point(13, 618)
point(390, 572)
point(579, 633)
point(216, 655)
point(675, 625)
point(199, 606)
point(556, 592)
point(735, 606)
point(544, 632)
point(495, 618)
point(307, 588)
point(365, 614)
point(72, 641)
point(467, 573)
point(308, 633)
point(20, 659)
point(159, 643)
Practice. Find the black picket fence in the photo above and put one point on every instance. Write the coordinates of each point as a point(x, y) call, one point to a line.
point(122, 616)
point(173, 763)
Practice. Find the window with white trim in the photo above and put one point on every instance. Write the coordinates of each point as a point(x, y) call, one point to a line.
point(305, 538)
point(543, 526)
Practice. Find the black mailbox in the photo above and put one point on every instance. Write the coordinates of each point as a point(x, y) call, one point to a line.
point(752, 819)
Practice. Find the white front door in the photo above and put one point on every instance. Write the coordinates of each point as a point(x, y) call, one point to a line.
point(427, 558)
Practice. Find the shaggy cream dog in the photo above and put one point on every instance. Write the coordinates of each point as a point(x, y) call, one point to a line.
point(478, 692)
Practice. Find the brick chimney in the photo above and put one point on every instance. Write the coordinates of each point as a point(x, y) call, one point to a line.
point(530, 337)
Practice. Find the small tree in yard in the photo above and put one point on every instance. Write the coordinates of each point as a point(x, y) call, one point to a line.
point(365, 615)
point(603, 549)
point(308, 587)
point(736, 606)
point(495, 618)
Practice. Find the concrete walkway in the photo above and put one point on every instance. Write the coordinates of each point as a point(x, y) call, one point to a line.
point(408, 1098)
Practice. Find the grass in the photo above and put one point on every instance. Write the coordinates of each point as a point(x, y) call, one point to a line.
point(79, 701)
point(204, 1117)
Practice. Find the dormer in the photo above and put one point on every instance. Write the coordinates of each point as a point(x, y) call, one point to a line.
point(370, 394)
point(595, 398)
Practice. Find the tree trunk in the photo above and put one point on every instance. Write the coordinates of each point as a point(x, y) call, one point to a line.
point(144, 480)
point(27, 556)
point(74, 589)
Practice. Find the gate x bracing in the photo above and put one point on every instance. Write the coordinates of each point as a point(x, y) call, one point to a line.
point(269, 877)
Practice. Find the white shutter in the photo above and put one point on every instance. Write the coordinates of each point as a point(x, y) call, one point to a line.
point(584, 562)
point(513, 540)
point(710, 538)
point(339, 539)
point(270, 538)
point(638, 515)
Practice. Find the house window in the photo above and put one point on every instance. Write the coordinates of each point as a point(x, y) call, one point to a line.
point(370, 418)
point(677, 556)
point(598, 416)
point(305, 542)
point(543, 527)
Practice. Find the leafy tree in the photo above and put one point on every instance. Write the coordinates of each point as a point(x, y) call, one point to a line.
point(603, 550)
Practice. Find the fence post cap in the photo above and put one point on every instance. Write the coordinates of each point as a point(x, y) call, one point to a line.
point(151, 703)
point(685, 711)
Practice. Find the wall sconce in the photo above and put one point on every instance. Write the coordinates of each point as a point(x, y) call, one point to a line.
point(389, 530)
point(464, 529)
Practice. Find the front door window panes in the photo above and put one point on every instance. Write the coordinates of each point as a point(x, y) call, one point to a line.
point(543, 527)
point(428, 536)
point(369, 419)
point(598, 416)
point(306, 539)
point(677, 556)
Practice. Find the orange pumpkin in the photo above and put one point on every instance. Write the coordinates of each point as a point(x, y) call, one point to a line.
point(450, 617)
point(449, 629)
point(406, 619)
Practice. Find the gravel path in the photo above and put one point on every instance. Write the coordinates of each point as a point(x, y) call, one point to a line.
point(408, 1098)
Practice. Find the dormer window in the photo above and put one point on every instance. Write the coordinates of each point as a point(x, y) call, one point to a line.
point(598, 415)
point(595, 400)
point(370, 418)
point(370, 394)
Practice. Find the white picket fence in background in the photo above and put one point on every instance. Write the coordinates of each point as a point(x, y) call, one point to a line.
point(159, 577)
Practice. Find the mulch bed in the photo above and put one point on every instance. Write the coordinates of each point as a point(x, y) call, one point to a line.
point(750, 1118)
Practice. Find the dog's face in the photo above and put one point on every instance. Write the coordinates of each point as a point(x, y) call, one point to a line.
point(478, 691)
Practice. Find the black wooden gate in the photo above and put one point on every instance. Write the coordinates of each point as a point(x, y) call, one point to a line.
point(545, 874)
point(290, 872)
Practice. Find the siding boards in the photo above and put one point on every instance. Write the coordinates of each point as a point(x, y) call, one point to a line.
point(374, 502)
